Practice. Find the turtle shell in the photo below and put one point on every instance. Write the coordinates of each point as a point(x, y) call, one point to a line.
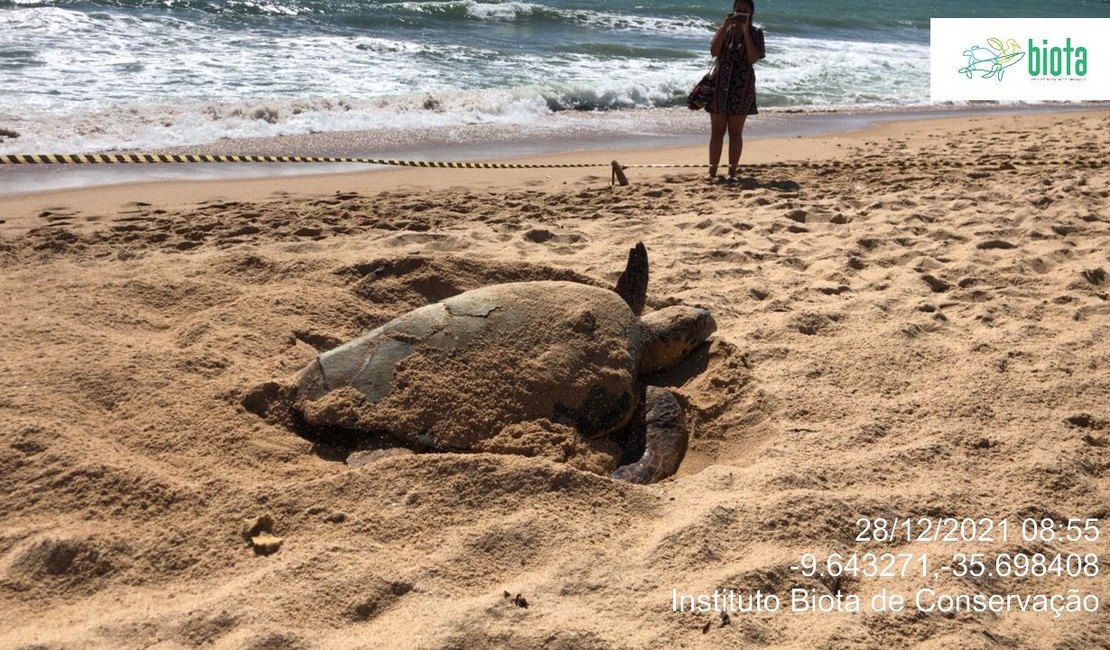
point(452, 374)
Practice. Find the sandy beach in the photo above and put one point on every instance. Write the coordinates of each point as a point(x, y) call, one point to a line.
point(914, 342)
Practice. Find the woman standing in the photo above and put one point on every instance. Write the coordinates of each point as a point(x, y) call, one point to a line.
point(736, 45)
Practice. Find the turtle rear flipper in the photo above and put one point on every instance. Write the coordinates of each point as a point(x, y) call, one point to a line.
point(665, 440)
point(632, 285)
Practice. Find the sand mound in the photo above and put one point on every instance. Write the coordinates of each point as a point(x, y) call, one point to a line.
point(891, 343)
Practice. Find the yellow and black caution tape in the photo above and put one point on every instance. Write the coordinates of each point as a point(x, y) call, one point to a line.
point(139, 158)
point(988, 163)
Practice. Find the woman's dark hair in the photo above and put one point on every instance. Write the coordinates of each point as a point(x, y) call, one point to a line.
point(738, 5)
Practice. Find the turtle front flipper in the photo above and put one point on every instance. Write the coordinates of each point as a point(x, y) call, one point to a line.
point(632, 285)
point(665, 440)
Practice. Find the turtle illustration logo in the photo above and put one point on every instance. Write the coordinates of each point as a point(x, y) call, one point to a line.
point(991, 61)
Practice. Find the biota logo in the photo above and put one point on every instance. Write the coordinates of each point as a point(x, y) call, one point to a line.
point(991, 62)
point(1051, 61)
point(1019, 59)
point(1044, 59)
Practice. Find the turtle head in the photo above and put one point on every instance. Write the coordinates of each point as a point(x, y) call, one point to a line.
point(668, 335)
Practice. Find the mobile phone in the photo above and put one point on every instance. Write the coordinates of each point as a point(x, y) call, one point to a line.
point(738, 17)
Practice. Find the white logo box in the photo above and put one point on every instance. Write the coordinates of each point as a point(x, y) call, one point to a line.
point(989, 59)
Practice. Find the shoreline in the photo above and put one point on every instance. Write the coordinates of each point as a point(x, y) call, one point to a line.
point(650, 129)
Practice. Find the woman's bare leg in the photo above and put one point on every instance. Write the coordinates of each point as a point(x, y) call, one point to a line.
point(718, 124)
point(735, 142)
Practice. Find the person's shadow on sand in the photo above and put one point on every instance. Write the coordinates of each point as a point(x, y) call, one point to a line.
point(753, 183)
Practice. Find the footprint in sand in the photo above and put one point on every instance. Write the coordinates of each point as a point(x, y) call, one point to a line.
point(935, 283)
point(810, 323)
point(407, 238)
point(68, 561)
point(832, 288)
point(543, 236)
point(995, 244)
point(1095, 276)
point(451, 243)
point(57, 216)
point(538, 235)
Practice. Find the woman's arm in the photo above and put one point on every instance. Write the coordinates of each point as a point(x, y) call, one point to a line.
point(719, 38)
point(751, 51)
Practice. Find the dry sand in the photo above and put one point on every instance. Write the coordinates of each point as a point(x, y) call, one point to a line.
point(892, 343)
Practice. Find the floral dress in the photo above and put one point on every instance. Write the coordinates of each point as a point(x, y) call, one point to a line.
point(735, 91)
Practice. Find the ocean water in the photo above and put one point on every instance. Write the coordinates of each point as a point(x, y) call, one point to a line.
point(94, 75)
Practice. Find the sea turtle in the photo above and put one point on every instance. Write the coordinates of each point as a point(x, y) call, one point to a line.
point(454, 374)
